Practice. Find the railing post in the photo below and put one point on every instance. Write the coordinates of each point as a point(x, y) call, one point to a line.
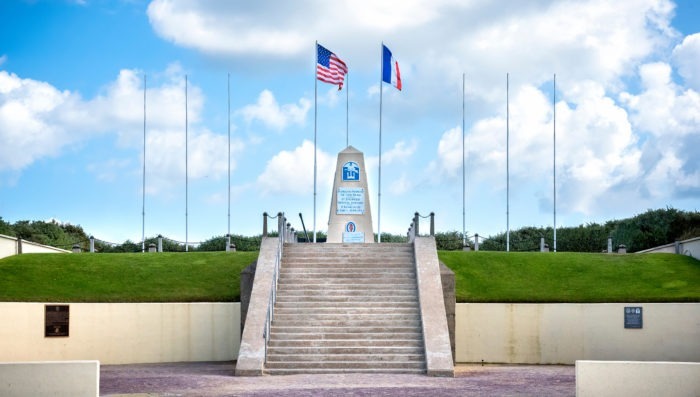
point(541, 244)
point(280, 225)
point(288, 233)
point(610, 249)
point(228, 242)
point(160, 243)
point(432, 224)
point(476, 242)
point(92, 244)
point(678, 246)
point(76, 249)
point(264, 234)
point(416, 218)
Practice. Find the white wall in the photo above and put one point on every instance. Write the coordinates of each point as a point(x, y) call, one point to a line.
point(120, 333)
point(8, 247)
point(564, 333)
point(690, 247)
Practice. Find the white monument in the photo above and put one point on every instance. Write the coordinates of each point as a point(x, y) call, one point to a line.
point(350, 220)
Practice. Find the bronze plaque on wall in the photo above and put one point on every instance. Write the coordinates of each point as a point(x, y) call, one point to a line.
point(56, 318)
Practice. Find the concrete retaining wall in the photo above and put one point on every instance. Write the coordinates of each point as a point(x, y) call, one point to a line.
point(564, 333)
point(55, 379)
point(639, 379)
point(122, 333)
point(8, 247)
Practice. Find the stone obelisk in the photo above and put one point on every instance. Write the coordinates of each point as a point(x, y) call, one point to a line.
point(350, 220)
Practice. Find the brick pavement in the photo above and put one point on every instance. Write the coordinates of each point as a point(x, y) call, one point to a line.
point(216, 379)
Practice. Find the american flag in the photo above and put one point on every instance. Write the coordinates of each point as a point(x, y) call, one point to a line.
point(330, 68)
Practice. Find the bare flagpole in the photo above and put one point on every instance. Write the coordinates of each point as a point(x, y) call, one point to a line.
point(186, 175)
point(554, 157)
point(507, 164)
point(228, 86)
point(464, 178)
point(315, 127)
point(347, 109)
point(143, 188)
point(379, 190)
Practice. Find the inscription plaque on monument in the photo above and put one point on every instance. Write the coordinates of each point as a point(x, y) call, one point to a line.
point(56, 319)
point(633, 317)
point(351, 201)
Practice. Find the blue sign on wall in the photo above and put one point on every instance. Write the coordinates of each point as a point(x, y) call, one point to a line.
point(351, 171)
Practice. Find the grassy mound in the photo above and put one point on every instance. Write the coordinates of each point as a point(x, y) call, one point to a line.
point(162, 277)
point(573, 277)
point(480, 277)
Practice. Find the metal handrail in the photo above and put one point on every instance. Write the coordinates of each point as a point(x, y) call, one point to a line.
point(284, 234)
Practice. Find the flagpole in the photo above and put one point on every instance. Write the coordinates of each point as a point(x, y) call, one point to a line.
point(464, 183)
point(315, 129)
point(143, 188)
point(228, 86)
point(379, 190)
point(347, 109)
point(507, 164)
point(186, 171)
point(554, 157)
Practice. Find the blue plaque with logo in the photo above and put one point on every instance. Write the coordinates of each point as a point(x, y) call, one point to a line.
point(351, 171)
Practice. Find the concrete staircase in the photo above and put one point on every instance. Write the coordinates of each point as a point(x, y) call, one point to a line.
point(346, 308)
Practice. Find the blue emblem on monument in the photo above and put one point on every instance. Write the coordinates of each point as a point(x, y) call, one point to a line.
point(351, 171)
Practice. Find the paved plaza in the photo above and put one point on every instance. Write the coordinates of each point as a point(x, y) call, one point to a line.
point(216, 379)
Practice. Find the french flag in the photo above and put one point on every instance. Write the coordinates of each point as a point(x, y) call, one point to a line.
point(390, 69)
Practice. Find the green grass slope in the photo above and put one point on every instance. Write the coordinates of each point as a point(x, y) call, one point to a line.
point(162, 277)
point(479, 276)
point(573, 277)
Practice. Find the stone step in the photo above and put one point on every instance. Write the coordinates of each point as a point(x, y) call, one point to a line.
point(340, 329)
point(334, 351)
point(320, 311)
point(415, 342)
point(345, 270)
point(348, 277)
point(342, 317)
point(342, 292)
point(321, 371)
point(348, 286)
point(345, 365)
point(337, 336)
point(349, 357)
point(354, 322)
point(364, 266)
point(344, 280)
point(366, 298)
point(346, 305)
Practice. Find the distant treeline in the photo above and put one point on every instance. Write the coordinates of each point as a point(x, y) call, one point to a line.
point(647, 230)
point(650, 229)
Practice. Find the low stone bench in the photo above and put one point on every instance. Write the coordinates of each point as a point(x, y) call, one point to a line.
point(637, 378)
point(50, 378)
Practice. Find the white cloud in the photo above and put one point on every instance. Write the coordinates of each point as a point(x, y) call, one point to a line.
point(27, 130)
point(292, 172)
point(270, 113)
point(401, 152)
point(3, 59)
point(671, 117)
point(38, 121)
point(687, 58)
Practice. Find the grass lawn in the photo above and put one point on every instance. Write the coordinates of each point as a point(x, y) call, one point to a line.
point(480, 277)
point(162, 277)
point(573, 277)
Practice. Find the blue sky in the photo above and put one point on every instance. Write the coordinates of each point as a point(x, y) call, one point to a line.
point(71, 111)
